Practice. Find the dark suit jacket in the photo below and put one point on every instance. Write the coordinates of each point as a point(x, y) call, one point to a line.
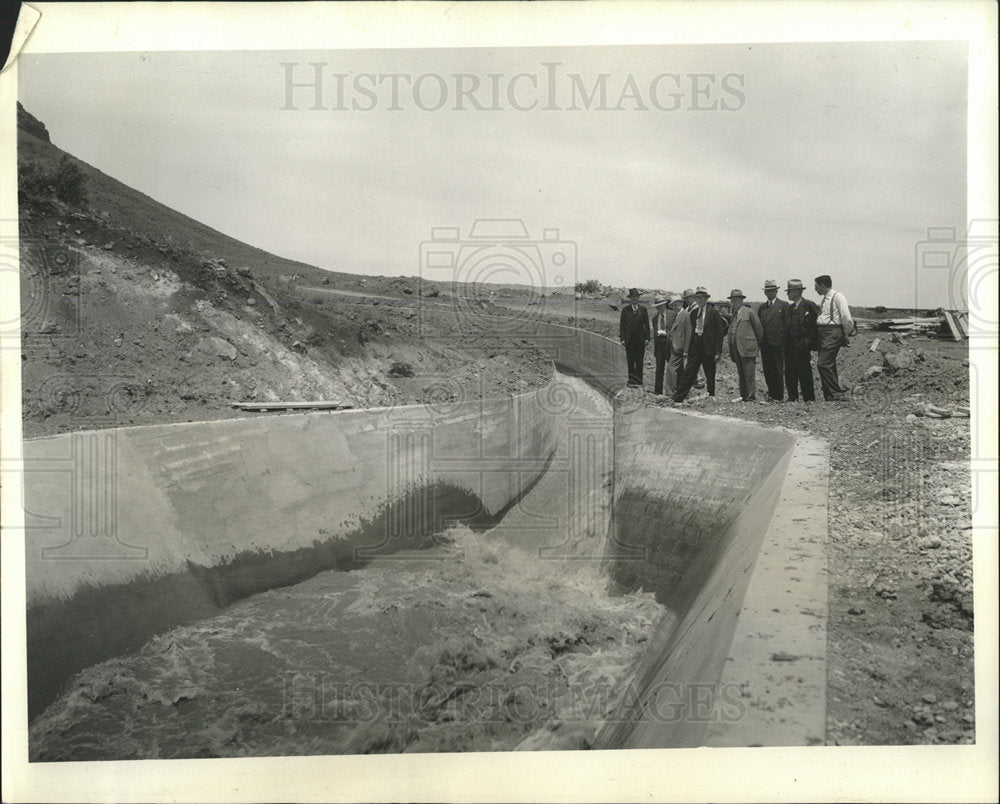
point(634, 327)
point(714, 334)
point(772, 319)
point(800, 325)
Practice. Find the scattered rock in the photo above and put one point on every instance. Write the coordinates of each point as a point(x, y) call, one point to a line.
point(930, 698)
point(899, 361)
point(401, 369)
point(784, 657)
point(217, 347)
point(873, 371)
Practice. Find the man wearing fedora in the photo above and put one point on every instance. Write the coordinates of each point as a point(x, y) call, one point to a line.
point(800, 339)
point(633, 332)
point(745, 335)
point(834, 324)
point(678, 337)
point(663, 322)
point(703, 347)
point(772, 313)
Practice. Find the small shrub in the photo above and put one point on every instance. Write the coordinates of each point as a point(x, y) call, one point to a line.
point(39, 189)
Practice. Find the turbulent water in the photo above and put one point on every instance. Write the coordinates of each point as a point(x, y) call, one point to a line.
point(489, 641)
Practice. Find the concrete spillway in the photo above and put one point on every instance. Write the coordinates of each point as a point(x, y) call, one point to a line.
point(132, 531)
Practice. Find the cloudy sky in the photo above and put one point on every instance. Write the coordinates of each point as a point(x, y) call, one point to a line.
point(715, 165)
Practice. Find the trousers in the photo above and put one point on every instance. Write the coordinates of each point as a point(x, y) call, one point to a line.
point(831, 338)
point(635, 352)
point(746, 372)
point(697, 358)
point(799, 374)
point(666, 375)
point(772, 361)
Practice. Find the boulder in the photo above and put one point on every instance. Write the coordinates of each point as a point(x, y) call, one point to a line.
point(899, 361)
point(217, 347)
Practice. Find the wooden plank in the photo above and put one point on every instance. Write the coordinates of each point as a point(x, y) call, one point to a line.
point(263, 406)
point(962, 319)
point(956, 333)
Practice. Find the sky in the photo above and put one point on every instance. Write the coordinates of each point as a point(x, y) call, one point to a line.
point(712, 165)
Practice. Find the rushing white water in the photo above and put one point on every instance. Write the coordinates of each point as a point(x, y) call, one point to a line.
point(488, 641)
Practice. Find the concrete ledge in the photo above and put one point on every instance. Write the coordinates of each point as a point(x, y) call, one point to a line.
point(778, 657)
point(132, 531)
point(694, 497)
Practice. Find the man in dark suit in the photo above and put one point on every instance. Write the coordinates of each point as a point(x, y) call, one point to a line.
point(703, 347)
point(772, 314)
point(633, 332)
point(663, 322)
point(800, 340)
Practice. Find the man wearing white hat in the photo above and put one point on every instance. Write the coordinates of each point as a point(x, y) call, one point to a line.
point(772, 313)
point(678, 338)
point(663, 321)
point(703, 346)
point(745, 334)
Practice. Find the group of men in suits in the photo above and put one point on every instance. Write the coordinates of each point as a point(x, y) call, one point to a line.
point(688, 336)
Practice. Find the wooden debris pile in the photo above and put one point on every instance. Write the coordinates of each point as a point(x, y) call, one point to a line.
point(953, 324)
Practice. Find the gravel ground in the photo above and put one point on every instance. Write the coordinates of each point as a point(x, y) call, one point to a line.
point(900, 638)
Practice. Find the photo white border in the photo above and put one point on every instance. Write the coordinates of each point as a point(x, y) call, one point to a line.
point(921, 773)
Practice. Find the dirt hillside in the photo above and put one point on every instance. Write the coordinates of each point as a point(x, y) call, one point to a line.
point(134, 314)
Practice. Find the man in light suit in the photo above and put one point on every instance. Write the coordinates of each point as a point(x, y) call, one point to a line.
point(663, 322)
point(703, 346)
point(745, 335)
point(678, 338)
point(633, 332)
point(772, 314)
